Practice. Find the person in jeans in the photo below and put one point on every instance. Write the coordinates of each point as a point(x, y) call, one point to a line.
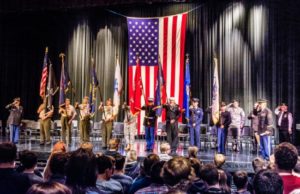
point(14, 119)
point(223, 124)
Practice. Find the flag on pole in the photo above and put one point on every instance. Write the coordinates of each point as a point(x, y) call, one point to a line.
point(187, 89)
point(152, 37)
point(52, 87)
point(64, 81)
point(215, 110)
point(118, 86)
point(44, 75)
point(93, 89)
point(137, 89)
point(160, 95)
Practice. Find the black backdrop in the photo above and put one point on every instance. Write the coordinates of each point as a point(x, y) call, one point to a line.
point(257, 43)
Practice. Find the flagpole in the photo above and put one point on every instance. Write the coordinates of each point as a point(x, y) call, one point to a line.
point(159, 61)
point(143, 92)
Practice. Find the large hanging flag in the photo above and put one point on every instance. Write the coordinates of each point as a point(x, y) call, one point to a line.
point(150, 38)
point(215, 110)
point(64, 81)
point(187, 89)
point(93, 88)
point(52, 87)
point(160, 94)
point(118, 86)
point(44, 75)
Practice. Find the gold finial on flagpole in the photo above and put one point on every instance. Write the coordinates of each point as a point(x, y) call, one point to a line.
point(46, 50)
point(62, 56)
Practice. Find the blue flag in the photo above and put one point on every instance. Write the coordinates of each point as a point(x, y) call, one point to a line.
point(64, 82)
point(160, 82)
point(93, 88)
point(187, 89)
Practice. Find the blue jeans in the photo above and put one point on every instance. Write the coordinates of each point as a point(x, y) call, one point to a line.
point(149, 132)
point(265, 146)
point(221, 140)
point(14, 133)
point(195, 136)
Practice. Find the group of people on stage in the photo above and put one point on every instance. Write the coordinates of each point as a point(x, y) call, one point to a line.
point(231, 119)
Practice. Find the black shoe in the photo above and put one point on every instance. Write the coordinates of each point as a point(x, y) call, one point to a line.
point(42, 143)
point(104, 147)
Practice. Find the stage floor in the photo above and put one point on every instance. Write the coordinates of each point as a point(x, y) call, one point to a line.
point(234, 161)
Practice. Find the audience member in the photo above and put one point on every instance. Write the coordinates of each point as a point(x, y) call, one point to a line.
point(219, 161)
point(132, 166)
point(210, 176)
point(267, 182)
point(165, 150)
point(177, 173)
point(49, 188)
point(144, 180)
point(223, 181)
point(113, 146)
point(87, 145)
point(258, 164)
point(11, 182)
point(192, 151)
point(81, 172)
point(197, 184)
point(286, 157)
point(28, 160)
point(125, 180)
point(157, 185)
point(240, 180)
point(105, 171)
point(57, 166)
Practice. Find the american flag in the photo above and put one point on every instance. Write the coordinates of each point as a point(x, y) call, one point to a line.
point(150, 38)
point(44, 75)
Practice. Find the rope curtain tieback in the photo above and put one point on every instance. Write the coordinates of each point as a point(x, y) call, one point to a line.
point(122, 15)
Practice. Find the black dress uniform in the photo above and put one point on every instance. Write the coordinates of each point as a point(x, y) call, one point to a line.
point(149, 124)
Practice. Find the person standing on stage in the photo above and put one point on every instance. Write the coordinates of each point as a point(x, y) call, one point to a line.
point(85, 117)
point(173, 114)
point(68, 114)
point(196, 117)
point(285, 123)
point(223, 125)
point(149, 123)
point(108, 117)
point(254, 125)
point(129, 126)
point(265, 128)
point(237, 122)
point(45, 115)
point(14, 119)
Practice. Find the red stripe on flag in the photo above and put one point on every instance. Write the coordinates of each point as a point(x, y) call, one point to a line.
point(147, 80)
point(173, 63)
point(164, 65)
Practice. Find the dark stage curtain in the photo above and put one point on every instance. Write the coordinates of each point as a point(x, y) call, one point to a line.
point(256, 42)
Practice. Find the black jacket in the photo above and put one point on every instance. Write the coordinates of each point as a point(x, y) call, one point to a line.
point(150, 116)
point(225, 119)
point(12, 182)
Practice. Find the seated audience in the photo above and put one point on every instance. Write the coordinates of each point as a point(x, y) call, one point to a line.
point(223, 181)
point(144, 180)
point(87, 145)
point(57, 166)
point(81, 172)
point(258, 164)
point(157, 185)
point(165, 150)
point(125, 180)
point(49, 188)
point(267, 182)
point(132, 166)
point(219, 161)
point(105, 183)
point(113, 146)
point(197, 184)
point(177, 173)
point(192, 152)
point(240, 180)
point(210, 176)
point(28, 160)
point(11, 182)
point(286, 157)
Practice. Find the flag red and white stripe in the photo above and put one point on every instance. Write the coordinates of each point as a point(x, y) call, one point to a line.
point(44, 75)
point(171, 44)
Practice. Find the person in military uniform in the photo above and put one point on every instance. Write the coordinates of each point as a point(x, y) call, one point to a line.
point(85, 117)
point(149, 123)
point(45, 115)
point(68, 114)
point(108, 117)
point(172, 116)
point(129, 126)
point(222, 126)
point(265, 128)
point(196, 117)
point(284, 122)
point(254, 125)
point(14, 119)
